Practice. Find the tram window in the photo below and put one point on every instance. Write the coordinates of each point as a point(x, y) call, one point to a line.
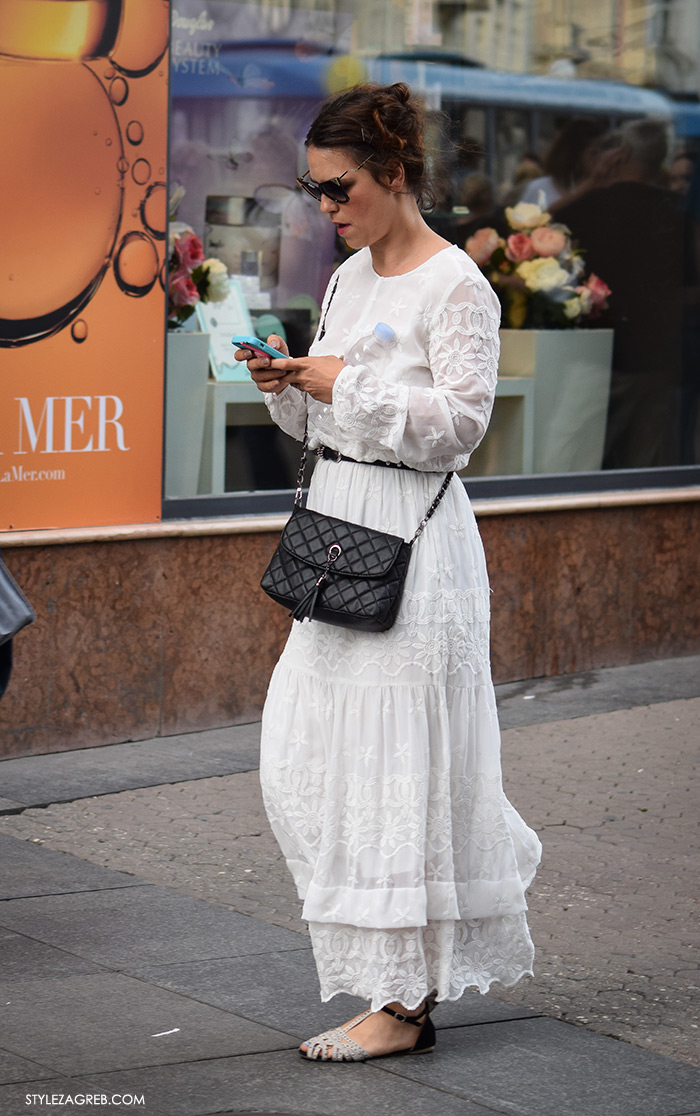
point(548, 126)
point(511, 144)
point(466, 150)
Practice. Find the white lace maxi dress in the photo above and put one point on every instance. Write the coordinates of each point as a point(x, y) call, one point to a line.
point(380, 762)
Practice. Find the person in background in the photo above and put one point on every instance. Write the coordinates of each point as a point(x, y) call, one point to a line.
point(690, 390)
point(528, 169)
point(469, 161)
point(15, 614)
point(477, 200)
point(680, 173)
point(630, 228)
point(5, 665)
point(567, 162)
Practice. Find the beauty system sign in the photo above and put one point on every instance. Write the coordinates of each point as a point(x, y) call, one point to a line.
point(83, 224)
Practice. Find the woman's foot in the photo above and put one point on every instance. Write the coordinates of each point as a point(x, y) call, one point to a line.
point(374, 1035)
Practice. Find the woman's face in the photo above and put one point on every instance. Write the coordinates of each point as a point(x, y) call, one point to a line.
point(680, 175)
point(372, 209)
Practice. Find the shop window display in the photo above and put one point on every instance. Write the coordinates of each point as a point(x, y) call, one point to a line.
point(247, 80)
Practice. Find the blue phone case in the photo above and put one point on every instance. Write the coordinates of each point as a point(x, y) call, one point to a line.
point(257, 346)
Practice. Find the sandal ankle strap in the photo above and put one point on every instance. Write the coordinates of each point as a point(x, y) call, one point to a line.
point(416, 1020)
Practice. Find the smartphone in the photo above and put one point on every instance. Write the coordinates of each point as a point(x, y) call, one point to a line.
point(256, 346)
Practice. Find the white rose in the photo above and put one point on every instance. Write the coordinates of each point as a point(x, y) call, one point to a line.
point(174, 203)
point(526, 215)
point(572, 307)
point(176, 229)
point(218, 284)
point(542, 275)
point(585, 298)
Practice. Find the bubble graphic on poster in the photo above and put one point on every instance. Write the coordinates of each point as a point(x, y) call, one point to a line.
point(62, 202)
point(136, 264)
point(81, 250)
point(134, 132)
point(143, 37)
point(56, 30)
point(154, 210)
point(118, 91)
point(141, 171)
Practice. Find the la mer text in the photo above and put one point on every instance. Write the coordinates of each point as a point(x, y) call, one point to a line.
point(70, 424)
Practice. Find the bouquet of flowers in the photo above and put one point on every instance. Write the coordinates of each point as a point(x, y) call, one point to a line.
point(191, 278)
point(536, 273)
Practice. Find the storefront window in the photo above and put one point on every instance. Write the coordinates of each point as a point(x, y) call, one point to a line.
point(528, 103)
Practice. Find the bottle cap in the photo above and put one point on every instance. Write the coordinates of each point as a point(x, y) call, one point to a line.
point(383, 332)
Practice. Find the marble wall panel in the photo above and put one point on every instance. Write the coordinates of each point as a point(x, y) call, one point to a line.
point(576, 590)
point(89, 671)
point(222, 634)
point(160, 636)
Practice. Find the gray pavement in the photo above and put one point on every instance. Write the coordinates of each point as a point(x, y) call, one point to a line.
point(151, 943)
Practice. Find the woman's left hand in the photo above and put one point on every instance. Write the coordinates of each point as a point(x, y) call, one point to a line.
point(315, 375)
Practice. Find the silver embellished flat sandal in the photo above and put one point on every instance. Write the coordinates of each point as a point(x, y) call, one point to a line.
point(337, 1046)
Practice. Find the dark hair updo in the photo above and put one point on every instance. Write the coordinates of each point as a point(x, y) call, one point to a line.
point(381, 121)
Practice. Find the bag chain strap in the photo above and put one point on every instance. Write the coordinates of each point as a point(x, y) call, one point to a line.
point(432, 509)
point(302, 464)
point(298, 495)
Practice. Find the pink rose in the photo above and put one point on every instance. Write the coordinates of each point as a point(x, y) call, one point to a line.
point(519, 247)
point(182, 290)
point(482, 245)
point(600, 291)
point(548, 242)
point(189, 251)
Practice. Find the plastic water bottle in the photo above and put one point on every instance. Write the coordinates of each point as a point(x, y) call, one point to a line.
point(376, 344)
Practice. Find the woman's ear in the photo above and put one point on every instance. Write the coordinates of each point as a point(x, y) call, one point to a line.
point(394, 179)
point(397, 179)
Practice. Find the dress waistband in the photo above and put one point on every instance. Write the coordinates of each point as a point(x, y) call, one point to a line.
point(329, 454)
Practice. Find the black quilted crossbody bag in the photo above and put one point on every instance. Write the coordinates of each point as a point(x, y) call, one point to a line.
point(338, 572)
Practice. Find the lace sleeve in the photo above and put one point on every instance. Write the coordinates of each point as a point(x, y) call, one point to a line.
point(288, 410)
point(431, 424)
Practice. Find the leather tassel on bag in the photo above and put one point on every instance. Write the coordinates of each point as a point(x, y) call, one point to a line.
point(305, 609)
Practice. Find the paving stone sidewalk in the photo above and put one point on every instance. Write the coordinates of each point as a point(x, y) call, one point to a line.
point(613, 795)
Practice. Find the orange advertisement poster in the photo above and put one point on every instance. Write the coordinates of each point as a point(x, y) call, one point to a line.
point(83, 225)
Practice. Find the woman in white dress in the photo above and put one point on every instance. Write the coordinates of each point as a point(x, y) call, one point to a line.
point(380, 761)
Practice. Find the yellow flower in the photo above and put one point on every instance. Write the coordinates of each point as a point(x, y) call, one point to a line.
point(572, 307)
point(218, 280)
point(516, 309)
point(542, 275)
point(525, 215)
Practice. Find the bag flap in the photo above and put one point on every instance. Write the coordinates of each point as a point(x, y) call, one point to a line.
point(364, 552)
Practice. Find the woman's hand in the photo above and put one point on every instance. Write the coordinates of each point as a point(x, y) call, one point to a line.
point(313, 374)
point(260, 368)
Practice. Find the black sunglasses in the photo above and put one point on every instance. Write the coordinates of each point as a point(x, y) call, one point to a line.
point(332, 189)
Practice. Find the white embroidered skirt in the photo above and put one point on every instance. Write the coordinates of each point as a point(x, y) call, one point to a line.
point(380, 767)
